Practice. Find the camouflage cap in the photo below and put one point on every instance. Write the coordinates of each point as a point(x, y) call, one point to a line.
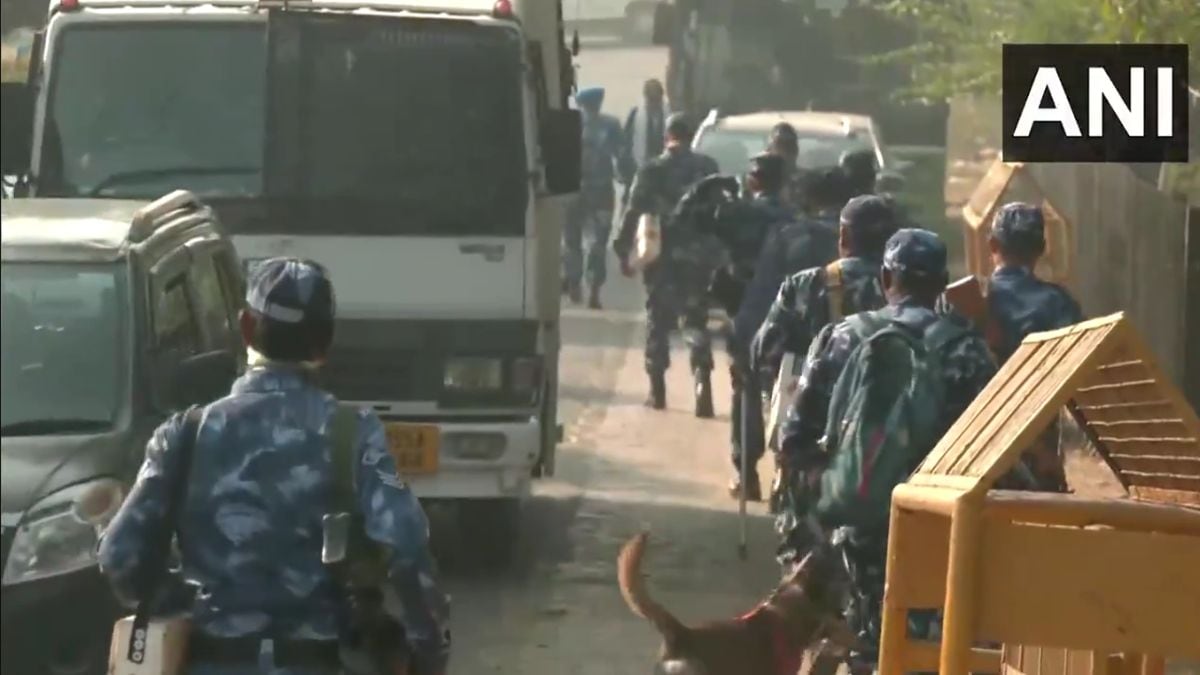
point(290, 290)
point(1020, 226)
point(915, 251)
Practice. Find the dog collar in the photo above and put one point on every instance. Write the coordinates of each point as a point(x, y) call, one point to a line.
point(785, 655)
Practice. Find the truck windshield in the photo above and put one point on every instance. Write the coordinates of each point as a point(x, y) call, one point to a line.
point(410, 126)
point(138, 109)
point(64, 350)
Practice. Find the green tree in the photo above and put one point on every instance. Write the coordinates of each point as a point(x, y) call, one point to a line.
point(959, 41)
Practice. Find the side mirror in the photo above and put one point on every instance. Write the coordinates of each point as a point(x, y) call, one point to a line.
point(665, 20)
point(203, 378)
point(889, 181)
point(562, 148)
point(16, 128)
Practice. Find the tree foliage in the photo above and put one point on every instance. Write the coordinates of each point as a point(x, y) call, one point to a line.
point(959, 41)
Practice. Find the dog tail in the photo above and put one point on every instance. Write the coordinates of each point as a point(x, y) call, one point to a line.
point(629, 577)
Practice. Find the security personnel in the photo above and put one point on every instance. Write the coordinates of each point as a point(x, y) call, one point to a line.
point(590, 216)
point(802, 304)
point(791, 245)
point(914, 274)
point(250, 527)
point(1020, 304)
point(676, 283)
point(784, 141)
point(860, 169)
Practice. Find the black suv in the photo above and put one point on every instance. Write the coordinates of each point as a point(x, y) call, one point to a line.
point(115, 314)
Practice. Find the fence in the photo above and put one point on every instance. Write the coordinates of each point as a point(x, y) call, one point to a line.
point(1132, 250)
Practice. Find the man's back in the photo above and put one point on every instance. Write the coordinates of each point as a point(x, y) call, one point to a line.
point(601, 148)
point(251, 531)
point(802, 307)
point(1022, 304)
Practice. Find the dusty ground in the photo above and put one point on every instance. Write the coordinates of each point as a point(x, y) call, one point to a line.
point(622, 469)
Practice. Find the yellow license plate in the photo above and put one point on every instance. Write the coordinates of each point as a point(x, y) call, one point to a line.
point(414, 448)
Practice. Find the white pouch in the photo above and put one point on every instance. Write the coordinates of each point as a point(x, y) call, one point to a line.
point(649, 242)
point(781, 396)
point(161, 649)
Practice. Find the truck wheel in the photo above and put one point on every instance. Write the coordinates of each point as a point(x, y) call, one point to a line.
point(639, 23)
point(489, 531)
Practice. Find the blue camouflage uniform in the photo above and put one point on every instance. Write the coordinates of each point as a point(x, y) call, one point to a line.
point(794, 244)
point(801, 304)
point(1018, 301)
point(1020, 304)
point(968, 366)
point(676, 283)
point(250, 528)
point(589, 219)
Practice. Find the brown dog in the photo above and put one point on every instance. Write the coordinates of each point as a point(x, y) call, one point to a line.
point(770, 640)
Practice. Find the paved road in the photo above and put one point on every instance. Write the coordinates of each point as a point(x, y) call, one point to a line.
point(622, 468)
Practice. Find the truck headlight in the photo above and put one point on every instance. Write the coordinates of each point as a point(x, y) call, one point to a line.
point(60, 533)
point(473, 374)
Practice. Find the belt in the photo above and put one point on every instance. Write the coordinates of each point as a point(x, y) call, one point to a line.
point(207, 649)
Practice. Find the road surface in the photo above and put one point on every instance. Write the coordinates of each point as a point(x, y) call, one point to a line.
point(621, 468)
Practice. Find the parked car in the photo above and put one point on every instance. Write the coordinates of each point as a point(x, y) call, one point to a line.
point(824, 136)
point(632, 19)
point(115, 314)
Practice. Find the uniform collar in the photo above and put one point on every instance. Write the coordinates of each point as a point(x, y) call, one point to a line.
point(273, 376)
point(1012, 271)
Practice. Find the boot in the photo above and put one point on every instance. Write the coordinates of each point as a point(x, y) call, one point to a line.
point(657, 399)
point(704, 399)
point(594, 298)
point(752, 486)
point(575, 293)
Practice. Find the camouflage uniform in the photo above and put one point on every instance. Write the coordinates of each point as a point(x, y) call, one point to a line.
point(589, 218)
point(1020, 304)
point(676, 283)
point(250, 528)
point(801, 305)
point(793, 245)
point(968, 368)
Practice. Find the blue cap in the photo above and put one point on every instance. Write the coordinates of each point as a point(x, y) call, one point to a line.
point(1020, 226)
point(915, 251)
point(290, 290)
point(591, 97)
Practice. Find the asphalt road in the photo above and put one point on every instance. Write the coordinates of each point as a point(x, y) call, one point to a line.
point(622, 468)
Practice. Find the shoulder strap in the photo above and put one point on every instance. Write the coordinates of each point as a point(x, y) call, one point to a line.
point(160, 548)
point(834, 290)
point(343, 431)
point(943, 332)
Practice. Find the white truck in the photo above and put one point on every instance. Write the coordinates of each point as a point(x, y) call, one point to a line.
point(421, 150)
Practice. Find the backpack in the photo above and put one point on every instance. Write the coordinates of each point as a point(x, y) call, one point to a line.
point(885, 415)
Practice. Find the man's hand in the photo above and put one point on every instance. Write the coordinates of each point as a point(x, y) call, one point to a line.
point(626, 269)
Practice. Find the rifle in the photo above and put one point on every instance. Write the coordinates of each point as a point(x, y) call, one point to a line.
point(966, 297)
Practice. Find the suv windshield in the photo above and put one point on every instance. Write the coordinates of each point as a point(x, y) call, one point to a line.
point(64, 356)
point(732, 150)
point(398, 124)
point(142, 108)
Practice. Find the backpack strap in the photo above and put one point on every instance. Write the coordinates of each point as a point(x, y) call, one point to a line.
point(835, 290)
point(942, 332)
point(343, 432)
point(158, 560)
